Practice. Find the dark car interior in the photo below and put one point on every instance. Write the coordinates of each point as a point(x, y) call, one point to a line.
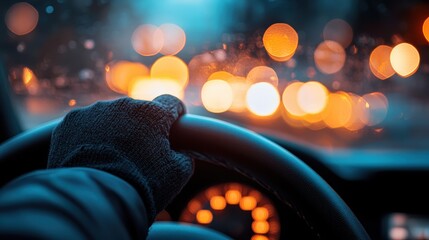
point(306, 119)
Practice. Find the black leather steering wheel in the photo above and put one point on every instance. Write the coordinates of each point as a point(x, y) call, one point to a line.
point(268, 164)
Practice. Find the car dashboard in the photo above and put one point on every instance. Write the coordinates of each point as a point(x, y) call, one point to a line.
point(388, 197)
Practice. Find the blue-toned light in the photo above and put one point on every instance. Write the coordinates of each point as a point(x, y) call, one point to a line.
point(49, 9)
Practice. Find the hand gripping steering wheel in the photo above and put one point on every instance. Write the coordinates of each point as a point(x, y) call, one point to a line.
point(274, 168)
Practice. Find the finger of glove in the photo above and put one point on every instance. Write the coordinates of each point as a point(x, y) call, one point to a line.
point(172, 104)
point(159, 114)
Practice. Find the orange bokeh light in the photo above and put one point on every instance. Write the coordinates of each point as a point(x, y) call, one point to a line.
point(338, 110)
point(217, 96)
point(30, 81)
point(121, 75)
point(262, 74)
point(329, 57)
point(149, 89)
point(290, 99)
point(339, 31)
point(21, 18)
point(314, 118)
point(359, 112)
point(281, 41)
point(281, 59)
point(260, 214)
point(147, 40)
point(259, 237)
point(72, 102)
point(379, 62)
point(405, 59)
point(217, 202)
point(239, 88)
point(312, 97)
point(204, 216)
point(425, 29)
point(260, 227)
point(174, 39)
point(171, 68)
point(233, 197)
point(262, 99)
point(220, 75)
point(28, 76)
point(248, 203)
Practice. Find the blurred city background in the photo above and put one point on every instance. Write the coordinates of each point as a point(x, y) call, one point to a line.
point(328, 73)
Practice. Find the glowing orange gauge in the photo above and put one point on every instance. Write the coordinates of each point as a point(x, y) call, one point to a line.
point(239, 211)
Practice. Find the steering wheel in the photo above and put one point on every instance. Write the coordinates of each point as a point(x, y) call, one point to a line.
point(274, 168)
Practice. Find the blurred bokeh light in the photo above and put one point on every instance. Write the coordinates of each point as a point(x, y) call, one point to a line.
point(260, 214)
point(425, 29)
point(312, 97)
point(262, 74)
point(339, 31)
point(121, 75)
point(147, 40)
point(248, 203)
point(217, 202)
point(379, 62)
point(290, 99)
point(222, 75)
point(281, 41)
point(217, 96)
point(21, 18)
point(359, 112)
point(262, 99)
point(204, 216)
point(148, 89)
point(233, 196)
point(260, 227)
point(259, 237)
point(377, 106)
point(239, 89)
point(170, 68)
point(230, 57)
point(329, 57)
point(405, 59)
point(339, 110)
point(174, 39)
point(30, 80)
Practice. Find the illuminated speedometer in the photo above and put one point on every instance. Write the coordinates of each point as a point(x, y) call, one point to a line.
point(237, 210)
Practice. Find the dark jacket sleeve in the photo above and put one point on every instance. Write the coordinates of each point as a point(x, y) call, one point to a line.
point(71, 203)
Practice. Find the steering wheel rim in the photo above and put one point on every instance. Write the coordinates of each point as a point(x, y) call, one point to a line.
point(254, 156)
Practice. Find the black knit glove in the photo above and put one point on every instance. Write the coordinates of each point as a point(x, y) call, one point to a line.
point(127, 138)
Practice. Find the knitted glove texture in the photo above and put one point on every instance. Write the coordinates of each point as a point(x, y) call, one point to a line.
point(127, 138)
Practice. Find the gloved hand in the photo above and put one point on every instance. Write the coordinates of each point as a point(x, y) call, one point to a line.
point(127, 138)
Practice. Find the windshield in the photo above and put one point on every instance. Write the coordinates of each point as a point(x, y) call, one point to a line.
point(338, 74)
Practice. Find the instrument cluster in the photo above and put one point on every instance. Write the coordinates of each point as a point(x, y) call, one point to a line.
point(238, 210)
